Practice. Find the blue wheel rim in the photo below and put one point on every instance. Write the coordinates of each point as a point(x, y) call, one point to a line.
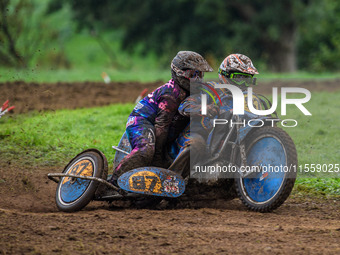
point(269, 152)
point(72, 189)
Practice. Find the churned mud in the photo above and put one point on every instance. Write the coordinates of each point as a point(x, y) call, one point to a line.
point(52, 96)
point(31, 224)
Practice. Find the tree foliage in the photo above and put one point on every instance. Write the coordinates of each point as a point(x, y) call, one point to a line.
point(281, 35)
point(319, 42)
point(25, 31)
point(259, 28)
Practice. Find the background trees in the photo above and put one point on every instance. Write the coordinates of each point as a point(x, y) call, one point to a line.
point(281, 36)
point(26, 31)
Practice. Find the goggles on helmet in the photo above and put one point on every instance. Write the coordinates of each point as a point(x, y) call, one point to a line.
point(189, 73)
point(239, 78)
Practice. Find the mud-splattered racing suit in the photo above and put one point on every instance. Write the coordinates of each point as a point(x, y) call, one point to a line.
point(155, 120)
point(148, 126)
point(192, 142)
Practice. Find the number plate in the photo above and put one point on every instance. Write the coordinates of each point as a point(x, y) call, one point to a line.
point(83, 167)
point(152, 181)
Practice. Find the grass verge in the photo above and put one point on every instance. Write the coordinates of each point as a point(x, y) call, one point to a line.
point(318, 187)
point(316, 136)
point(52, 138)
point(93, 73)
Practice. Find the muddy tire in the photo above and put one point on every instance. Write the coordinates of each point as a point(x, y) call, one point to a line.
point(264, 192)
point(73, 194)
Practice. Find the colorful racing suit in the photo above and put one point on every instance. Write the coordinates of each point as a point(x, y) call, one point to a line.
point(195, 135)
point(148, 127)
point(191, 143)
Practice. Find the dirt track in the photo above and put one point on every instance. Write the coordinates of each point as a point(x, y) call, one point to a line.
point(31, 224)
point(34, 96)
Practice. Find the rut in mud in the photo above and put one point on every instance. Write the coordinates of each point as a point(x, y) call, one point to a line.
point(52, 96)
point(30, 223)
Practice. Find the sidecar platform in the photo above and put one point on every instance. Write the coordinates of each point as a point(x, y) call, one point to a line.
point(152, 181)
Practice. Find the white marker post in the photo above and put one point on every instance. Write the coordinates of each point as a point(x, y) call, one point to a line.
point(106, 78)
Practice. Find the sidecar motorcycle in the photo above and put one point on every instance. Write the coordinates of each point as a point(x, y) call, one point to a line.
point(267, 149)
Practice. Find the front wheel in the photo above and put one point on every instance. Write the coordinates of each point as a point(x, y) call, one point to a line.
point(273, 153)
point(74, 193)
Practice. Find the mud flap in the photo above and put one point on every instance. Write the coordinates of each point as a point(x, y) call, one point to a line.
point(152, 181)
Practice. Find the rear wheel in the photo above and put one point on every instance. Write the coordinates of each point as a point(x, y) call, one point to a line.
point(273, 151)
point(73, 194)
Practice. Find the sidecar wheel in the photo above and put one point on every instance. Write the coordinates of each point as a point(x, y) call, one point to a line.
point(266, 191)
point(73, 194)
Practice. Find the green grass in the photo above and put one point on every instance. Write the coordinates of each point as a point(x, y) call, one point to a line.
point(316, 137)
point(298, 76)
point(136, 73)
point(318, 186)
point(52, 138)
point(86, 60)
point(79, 75)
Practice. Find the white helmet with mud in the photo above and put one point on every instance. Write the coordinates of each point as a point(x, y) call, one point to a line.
point(237, 69)
point(188, 65)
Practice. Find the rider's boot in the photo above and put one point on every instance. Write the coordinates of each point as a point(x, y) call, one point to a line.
point(189, 155)
point(181, 163)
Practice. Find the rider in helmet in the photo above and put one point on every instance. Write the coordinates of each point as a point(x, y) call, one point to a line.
point(235, 69)
point(148, 125)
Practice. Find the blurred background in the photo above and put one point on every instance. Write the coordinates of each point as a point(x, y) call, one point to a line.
point(136, 40)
